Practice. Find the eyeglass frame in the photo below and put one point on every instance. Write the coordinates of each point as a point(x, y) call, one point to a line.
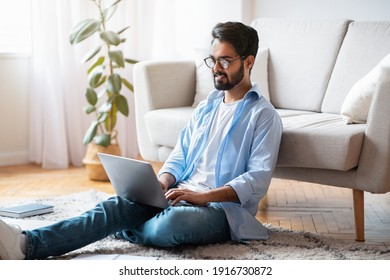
point(219, 62)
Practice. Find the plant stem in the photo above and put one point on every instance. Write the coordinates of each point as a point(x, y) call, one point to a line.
point(98, 5)
point(111, 68)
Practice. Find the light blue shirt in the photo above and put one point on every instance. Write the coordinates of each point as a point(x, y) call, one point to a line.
point(245, 161)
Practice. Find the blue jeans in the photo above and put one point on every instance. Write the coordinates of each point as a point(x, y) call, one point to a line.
point(137, 223)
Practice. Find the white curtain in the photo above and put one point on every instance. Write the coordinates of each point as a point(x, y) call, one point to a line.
point(58, 82)
point(160, 29)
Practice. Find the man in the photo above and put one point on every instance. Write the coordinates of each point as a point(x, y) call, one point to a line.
point(222, 165)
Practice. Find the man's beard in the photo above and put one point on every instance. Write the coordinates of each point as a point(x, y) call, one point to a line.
point(236, 79)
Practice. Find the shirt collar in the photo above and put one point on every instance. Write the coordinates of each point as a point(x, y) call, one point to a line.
point(216, 94)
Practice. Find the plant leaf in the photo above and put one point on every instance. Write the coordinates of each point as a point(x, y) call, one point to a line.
point(114, 83)
point(102, 117)
point(95, 76)
point(102, 81)
point(91, 96)
point(128, 85)
point(110, 38)
point(91, 132)
point(111, 120)
point(91, 54)
point(121, 103)
point(109, 11)
point(97, 63)
point(115, 3)
point(131, 61)
point(103, 140)
point(117, 57)
point(106, 107)
point(123, 30)
point(101, 92)
point(83, 30)
point(89, 109)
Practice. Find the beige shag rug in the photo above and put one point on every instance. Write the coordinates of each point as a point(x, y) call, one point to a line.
point(282, 244)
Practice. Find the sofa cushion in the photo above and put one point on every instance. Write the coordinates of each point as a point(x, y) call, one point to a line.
point(365, 44)
point(320, 140)
point(205, 83)
point(357, 103)
point(165, 125)
point(302, 54)
point(289, 113)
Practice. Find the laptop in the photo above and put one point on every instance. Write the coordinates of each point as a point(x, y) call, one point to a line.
point(134, 180)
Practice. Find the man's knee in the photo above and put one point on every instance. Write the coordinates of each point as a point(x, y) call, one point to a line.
point(167, 230)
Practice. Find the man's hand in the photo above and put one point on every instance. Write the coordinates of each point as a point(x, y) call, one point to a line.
point(163, 187)
point(196, 198)
point(166, 180)
point(225, 193)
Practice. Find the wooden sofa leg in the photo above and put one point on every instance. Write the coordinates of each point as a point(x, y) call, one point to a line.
point(358, 209)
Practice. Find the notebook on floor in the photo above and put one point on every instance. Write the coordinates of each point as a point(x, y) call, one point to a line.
point(26, 210)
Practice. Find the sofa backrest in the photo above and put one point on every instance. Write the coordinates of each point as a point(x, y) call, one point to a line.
point(302, 54)
point(364, 45)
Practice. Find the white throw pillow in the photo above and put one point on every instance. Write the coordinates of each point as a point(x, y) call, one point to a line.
point(205, 83)
point(259, 73)
point(357, 103)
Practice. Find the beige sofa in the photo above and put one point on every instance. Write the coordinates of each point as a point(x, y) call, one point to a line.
point(329, 81)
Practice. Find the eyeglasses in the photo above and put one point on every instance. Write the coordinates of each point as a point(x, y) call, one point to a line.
point(223, 62)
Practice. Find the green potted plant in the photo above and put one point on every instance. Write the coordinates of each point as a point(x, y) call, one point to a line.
point(105, 85)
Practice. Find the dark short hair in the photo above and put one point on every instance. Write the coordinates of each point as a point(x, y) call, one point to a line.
point(242, 37)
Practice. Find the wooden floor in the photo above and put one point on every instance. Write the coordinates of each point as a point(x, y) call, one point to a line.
point(291, 204)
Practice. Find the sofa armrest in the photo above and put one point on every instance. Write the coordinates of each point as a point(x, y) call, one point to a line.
point(374, 165)
point(158, 85)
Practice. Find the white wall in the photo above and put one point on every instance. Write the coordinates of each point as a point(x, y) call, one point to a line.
point(366, 10)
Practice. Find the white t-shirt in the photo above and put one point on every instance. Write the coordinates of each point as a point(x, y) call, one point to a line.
point(203, 177)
